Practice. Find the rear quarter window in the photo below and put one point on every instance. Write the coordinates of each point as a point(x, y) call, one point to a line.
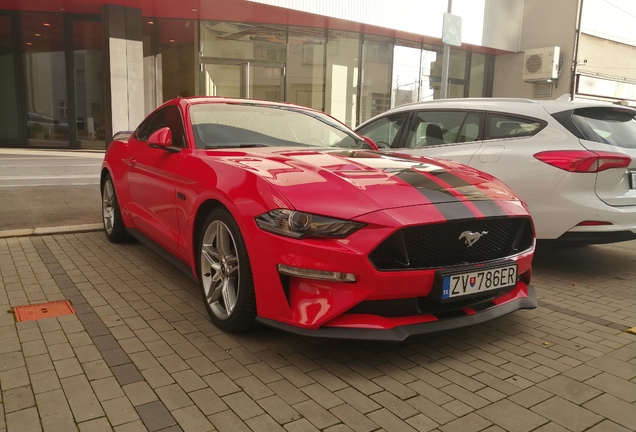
point(506, 126)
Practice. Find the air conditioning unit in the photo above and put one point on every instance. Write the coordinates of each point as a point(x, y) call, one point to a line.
point(541, 64)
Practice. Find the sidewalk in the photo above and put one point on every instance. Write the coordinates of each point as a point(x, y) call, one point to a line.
point(140, 354)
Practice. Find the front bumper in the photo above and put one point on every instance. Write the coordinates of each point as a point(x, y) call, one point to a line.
point(400, 333)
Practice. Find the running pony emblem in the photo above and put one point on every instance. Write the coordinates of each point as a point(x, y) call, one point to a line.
point(472, 237)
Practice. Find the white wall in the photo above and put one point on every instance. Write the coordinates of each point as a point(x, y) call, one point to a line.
point(545, 23)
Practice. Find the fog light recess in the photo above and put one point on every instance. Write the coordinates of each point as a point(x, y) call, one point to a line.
point(316, 274)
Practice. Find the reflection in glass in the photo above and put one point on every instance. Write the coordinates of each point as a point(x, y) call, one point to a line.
point(406, 75)
point(430, 74)
point(265, 83)
point(87, 51)
point(178, 52)
point(45, 79)
point(306, 66)
point(341, 84)
point(376, 76)
point(477, 75)
point(232, 40)
point(9, 120)
point(222, 80)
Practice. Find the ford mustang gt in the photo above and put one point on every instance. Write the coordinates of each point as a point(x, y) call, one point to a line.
point(287, 218)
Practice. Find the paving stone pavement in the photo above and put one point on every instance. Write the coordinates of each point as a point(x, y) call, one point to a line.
point(141, 355)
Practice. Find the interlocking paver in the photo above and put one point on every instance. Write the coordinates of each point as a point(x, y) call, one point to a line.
point(227, 421)
point(17, 399)
point(512, 417)
point(155, 416)
point(264, 423)
point(173, 397)
point(566, 364)
point(567, 414)
point(614, 409)
point(569, 389)
point(192, 420)
point(243, 405)
point(120, 411)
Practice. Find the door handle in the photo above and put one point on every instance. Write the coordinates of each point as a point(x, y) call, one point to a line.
point(132, 161)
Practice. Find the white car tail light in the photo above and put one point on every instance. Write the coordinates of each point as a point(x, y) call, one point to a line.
point(584, 161)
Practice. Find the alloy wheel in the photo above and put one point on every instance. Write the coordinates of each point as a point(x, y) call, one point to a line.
point(220, 269)
point(108, 208)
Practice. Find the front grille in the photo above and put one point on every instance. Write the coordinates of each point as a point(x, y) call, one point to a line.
point(439, 245)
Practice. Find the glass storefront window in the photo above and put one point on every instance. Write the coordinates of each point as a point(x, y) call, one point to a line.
point(87, 64)
point(375, 92)
point(178, 52)
point(45, 79)
point(406, 74)
point(9, 120)
point(431, 72)
point(235, 40)
point(477, 75)
point(341, 84)
point(243, 60)
point(306, 67)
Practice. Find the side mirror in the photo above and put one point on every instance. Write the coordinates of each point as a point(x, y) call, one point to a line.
point(162, 139)
point(371, 143)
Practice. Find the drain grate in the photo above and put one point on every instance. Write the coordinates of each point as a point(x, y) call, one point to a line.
point(43, 310)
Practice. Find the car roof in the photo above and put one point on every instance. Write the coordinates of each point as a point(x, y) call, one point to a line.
point(517, 105)
point(197, 100)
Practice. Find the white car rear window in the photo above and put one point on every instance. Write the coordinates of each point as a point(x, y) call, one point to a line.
point(607, 125)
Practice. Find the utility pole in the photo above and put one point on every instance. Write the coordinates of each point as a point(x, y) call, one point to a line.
point(451, 36)
point(446, 61)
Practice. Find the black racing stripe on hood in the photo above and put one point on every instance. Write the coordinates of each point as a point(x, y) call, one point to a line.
point(432, 190)
point(454, 210)
point(489, 208)
point(483, 202)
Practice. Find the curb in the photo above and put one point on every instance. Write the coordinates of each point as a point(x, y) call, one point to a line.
point(68, 229)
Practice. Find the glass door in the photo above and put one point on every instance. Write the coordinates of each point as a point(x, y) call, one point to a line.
point(245, 79)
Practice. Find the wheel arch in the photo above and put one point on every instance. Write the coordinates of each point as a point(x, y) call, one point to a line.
point(202, 213)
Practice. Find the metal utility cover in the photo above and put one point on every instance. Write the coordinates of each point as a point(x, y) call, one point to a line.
point(43, 310)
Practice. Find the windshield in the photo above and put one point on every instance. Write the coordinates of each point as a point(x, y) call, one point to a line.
point(607, 125)
point(220, 125)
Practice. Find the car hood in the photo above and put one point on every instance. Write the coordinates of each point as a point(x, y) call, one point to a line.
point(349, 183)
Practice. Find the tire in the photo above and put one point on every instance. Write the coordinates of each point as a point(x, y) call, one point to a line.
point(111, 215)
point(225, 274)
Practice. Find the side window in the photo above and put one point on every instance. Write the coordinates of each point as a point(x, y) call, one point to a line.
point(148, 126)
point(384, 130)
point(470, 129)
point(432, 128)
point(506, 126)
point(172, 119)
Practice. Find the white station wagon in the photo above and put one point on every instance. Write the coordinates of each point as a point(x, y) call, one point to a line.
point(573, 163)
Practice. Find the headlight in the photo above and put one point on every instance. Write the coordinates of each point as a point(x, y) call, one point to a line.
point(295, 224)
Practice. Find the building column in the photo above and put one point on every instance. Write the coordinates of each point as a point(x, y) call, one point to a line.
point(123, 68)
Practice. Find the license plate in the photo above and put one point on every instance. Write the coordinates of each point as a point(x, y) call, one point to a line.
point(460, 284)
point(632, 180)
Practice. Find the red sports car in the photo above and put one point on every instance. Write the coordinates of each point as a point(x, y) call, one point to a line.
point(288, 218)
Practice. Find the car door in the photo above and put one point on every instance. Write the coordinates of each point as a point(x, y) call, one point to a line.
point(446, 134)
point(151, 179)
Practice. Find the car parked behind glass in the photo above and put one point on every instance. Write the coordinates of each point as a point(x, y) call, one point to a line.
point(574, 164)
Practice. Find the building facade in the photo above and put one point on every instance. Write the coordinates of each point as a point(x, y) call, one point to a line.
point(73, 72)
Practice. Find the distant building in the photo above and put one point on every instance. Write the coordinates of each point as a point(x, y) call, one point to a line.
point(73, 72)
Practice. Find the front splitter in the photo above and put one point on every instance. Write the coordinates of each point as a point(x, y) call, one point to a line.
point(398, 334)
